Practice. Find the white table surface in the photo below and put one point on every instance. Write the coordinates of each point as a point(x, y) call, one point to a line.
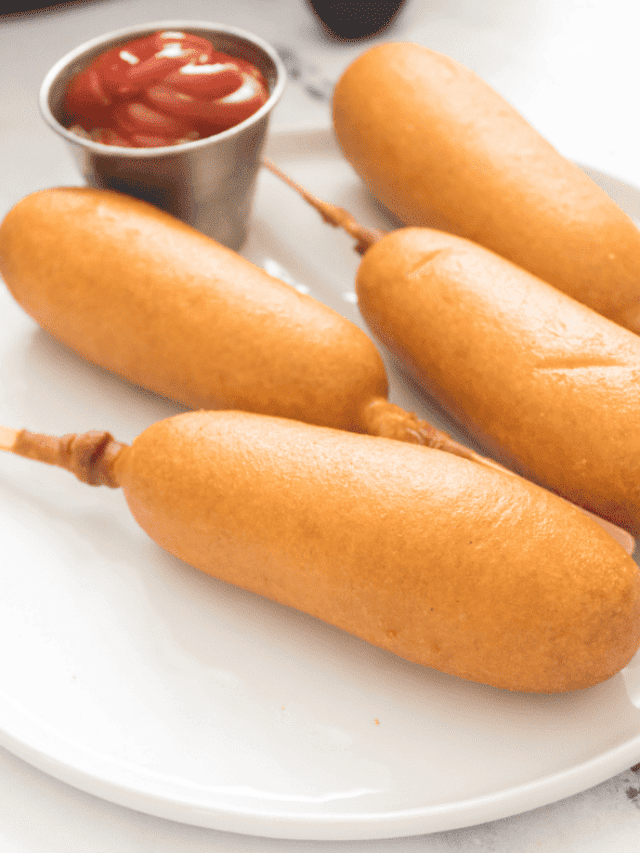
point(572, 67)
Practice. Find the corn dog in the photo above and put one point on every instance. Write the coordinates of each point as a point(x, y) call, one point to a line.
point(439, 147)
point(444, 562)
point(154, 301)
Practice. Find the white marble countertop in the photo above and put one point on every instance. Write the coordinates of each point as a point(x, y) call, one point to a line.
point(572, 68)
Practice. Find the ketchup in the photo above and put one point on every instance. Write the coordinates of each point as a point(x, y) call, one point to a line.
point(163, 89)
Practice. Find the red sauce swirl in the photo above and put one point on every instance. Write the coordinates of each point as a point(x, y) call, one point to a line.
point(163, 89)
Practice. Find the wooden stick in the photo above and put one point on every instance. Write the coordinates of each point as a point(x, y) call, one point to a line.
point(7, 438)
point(89, 455)
point(331, 213)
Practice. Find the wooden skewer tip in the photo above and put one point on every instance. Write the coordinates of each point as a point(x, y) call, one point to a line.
point(7, 438)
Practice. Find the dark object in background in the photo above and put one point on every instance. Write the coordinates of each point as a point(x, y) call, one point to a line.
point(17, 7)
point(355, 19)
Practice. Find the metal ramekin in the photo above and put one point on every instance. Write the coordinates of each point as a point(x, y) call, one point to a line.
point(208, 183)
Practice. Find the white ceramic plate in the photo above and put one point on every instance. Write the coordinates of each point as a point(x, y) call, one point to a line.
point(131, 676)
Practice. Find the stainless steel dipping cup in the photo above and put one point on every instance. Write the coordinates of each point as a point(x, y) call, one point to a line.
point(209, 183)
